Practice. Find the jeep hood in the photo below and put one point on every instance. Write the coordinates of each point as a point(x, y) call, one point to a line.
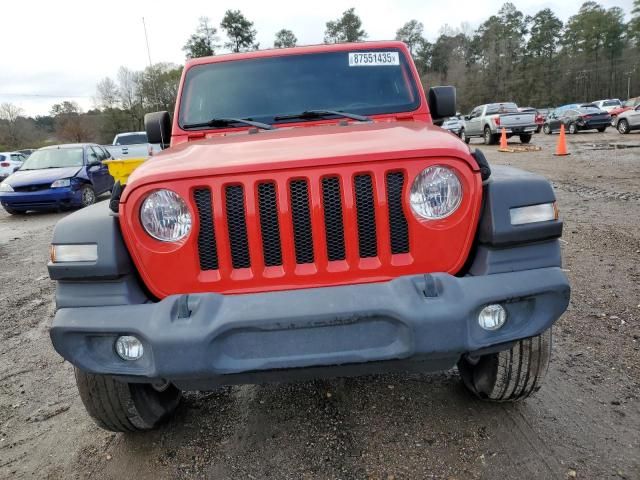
point(23, 178)
point(300, 147)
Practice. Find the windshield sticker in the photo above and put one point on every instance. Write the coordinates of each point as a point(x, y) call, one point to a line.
point(373, 59)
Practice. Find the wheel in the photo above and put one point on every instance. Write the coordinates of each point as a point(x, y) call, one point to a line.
point(87, 196)
point(613, 120)
point(125, 407)
point(602, 129)
point(11, 211)
point(546, 129)
point(573, 129)
point(525, 138)
point(489, 138)
point(510, 375)
point(623, 127)
point(463, 137)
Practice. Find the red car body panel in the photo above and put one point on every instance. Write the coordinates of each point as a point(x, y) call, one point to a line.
point(404, 142)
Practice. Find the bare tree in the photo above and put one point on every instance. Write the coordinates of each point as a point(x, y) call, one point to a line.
point(10, 113)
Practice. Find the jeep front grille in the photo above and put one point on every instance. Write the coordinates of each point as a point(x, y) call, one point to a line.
point(279, 207)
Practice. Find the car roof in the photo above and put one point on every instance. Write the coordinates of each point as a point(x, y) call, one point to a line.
point(69, 145)
point(10, 152)
point(124, 134)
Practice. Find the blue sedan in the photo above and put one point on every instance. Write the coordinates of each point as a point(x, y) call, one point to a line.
point(56, 178)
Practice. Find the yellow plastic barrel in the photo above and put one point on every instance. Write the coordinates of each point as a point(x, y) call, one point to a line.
point(121, 169)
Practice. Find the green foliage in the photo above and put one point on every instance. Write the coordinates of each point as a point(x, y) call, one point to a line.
point(347, 28)
point(634, 24)
point(285, 38)
point(240, 32)
point(411, 33)
point(203, 42)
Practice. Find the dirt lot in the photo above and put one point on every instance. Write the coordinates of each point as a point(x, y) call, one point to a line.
point(584, 423)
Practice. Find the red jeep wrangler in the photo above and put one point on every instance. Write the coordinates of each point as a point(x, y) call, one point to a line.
point(307, 220)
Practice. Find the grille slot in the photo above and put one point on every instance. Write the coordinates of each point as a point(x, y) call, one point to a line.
point(207, 249)
point(302, 236)
point(333, 221)
point(365, 213)
point(398, 228)
point(237, 226)
point(271, 249)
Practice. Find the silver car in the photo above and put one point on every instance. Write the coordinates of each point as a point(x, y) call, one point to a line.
point(453, 124)
point(629, 120)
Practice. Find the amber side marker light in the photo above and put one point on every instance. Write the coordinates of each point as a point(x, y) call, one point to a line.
point(542, 212)
point(73, 253)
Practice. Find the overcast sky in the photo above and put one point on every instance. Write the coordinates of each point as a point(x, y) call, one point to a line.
point(53, 51)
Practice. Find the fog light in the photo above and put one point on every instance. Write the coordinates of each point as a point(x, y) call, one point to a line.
point(129, 347)
point(492, 317)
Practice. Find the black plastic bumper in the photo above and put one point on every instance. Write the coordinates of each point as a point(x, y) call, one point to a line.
point(214, 339)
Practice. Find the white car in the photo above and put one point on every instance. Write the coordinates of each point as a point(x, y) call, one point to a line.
point(453, 124)
point(608, 105)
point(10, 162)
point(132, 145)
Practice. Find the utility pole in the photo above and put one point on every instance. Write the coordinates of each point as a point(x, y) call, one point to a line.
point(146, 38)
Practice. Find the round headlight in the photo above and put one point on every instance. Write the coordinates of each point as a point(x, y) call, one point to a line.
point(436, 193)
point(165, 216)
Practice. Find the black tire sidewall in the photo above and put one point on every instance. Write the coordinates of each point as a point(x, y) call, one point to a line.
point(487, 137)
point(574, 127)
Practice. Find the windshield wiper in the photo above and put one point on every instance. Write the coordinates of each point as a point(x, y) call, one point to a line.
point(225, 122)
point(310, 114)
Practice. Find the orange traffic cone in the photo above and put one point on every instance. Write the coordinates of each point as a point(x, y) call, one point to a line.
point(561, 148)
point(503, 139)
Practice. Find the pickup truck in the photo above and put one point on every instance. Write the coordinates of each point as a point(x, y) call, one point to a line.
point(487, 122)
point(132, 145)
point(314, 223)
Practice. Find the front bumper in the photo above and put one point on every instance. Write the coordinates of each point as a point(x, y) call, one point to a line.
point(210, 339)
point(51, 198)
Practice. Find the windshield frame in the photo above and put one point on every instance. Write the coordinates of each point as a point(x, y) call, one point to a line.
point(26, 162)
point(418, 107)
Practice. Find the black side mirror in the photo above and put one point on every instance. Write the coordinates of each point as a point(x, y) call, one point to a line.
point(442, 103)
point(158, 128)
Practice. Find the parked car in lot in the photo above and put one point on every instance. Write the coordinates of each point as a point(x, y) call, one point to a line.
point(9, 163)
point(628, 120)
point(453, 124)
point(487, 121)
point(608, 105)
point(629, 104)
point(577, 119)
point(275, 242)
point(57, 177)
point(131, 145)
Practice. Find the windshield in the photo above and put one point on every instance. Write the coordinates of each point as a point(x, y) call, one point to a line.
point(53, 158)
point(131, 139)
point(2, 158)
point(611, 103)
point(263, 88)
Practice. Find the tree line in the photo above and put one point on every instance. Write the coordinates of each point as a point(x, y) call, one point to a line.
point(533, 60)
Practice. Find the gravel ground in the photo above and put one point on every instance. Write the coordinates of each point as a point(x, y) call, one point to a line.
point(584, 423)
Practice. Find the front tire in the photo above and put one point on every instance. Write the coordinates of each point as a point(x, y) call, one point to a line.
point(463, 137)
point(602, 129)
point(125, 407)
point(623, 126)
point(510, 375)
point(573, 128)
point(11, 211)
point(525, 138)
point(87, 196)
point(546, 129)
